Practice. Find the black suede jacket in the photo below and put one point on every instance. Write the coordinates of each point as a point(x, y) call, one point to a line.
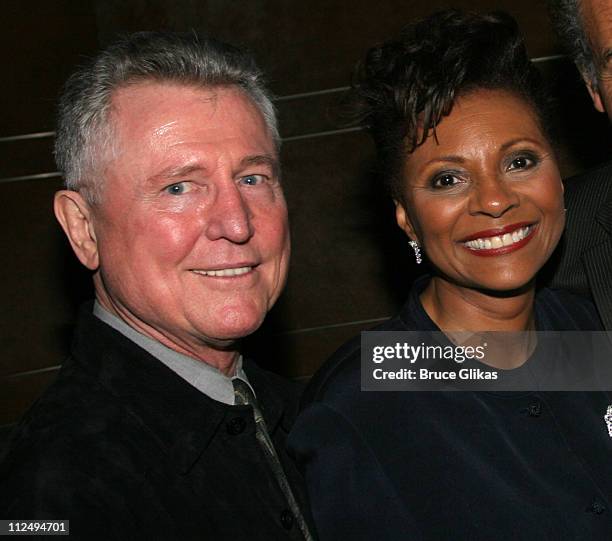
point(125, 449)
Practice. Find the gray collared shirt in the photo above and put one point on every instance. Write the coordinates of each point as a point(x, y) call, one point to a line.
point(204, 377)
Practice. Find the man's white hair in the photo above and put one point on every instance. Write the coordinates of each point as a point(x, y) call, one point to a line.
point(84, 135)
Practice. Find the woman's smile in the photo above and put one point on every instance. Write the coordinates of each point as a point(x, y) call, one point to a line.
point(500, 242)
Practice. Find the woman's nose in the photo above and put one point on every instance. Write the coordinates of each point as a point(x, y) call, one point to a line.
point(493, 197)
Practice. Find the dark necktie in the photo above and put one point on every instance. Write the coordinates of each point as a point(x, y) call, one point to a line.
point(244, 396)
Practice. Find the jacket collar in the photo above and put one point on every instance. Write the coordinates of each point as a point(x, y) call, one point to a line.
point(181, 419)
point(604, 215)
point(598, 266)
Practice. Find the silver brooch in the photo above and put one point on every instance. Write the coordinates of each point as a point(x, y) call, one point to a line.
point(608, 420)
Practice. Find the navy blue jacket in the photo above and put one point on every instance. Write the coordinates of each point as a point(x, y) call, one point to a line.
point(456, 465)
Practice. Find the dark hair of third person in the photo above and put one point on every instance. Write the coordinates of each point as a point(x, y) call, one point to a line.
point(405, 86)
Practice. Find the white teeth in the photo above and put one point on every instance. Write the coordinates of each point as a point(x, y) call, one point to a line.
point(224, 272)
point(499, 241)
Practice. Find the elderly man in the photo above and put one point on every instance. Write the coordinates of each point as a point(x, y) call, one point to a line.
point(156, 427)
point(586, 262)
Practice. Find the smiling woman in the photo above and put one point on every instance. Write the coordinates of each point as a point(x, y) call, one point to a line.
point(460, 123)
point(487, 186)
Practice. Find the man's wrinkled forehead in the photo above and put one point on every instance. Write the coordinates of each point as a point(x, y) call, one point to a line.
point(134, 106)
point(597, 20)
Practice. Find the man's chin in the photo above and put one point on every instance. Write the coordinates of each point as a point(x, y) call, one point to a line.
point(226, 337)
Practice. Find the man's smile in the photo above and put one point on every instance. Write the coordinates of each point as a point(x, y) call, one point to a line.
point(225, 272)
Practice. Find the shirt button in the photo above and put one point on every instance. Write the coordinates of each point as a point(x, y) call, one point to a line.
point(286, 518)
point(597, 507)
point(534, 409)
point(235, 426)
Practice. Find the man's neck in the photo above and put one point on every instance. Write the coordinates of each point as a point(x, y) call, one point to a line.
point(223, 357)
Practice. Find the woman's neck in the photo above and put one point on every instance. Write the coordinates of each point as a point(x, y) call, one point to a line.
point(457, 308)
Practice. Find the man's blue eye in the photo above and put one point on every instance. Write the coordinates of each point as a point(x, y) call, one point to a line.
point(176, 189)
point(252, 180)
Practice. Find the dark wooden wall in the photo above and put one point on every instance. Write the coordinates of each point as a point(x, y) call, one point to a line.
point(350, 264)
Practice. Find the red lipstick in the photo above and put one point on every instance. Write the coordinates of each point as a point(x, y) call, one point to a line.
point(497, 232)
point(492, 252)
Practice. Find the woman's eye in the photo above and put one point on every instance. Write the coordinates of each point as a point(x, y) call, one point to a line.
point(252, 180)
point(521, 162)
point(445, 181)
point(178, 188)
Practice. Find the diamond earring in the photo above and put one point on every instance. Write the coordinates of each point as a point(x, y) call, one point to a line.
point(417, 251)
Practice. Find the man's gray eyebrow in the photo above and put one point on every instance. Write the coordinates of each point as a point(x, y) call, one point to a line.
point(261, 159)
point(175, 172)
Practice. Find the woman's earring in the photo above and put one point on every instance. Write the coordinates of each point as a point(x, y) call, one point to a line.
point(417, 251)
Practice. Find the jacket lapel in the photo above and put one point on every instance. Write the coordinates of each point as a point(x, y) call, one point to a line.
point(604, 216)
point(598, 265)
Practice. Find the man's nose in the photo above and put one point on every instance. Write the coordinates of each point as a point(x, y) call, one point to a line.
point(229, 217)
point(492, 196)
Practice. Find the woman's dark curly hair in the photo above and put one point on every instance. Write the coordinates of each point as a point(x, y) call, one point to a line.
point(405, 86)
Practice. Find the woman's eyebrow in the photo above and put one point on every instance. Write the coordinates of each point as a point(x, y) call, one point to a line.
point(518, 140)
point(453, 159)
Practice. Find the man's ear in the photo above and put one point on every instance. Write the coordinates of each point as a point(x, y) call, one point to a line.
point(75, 216)
point(593, 89)
point(403, 220)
